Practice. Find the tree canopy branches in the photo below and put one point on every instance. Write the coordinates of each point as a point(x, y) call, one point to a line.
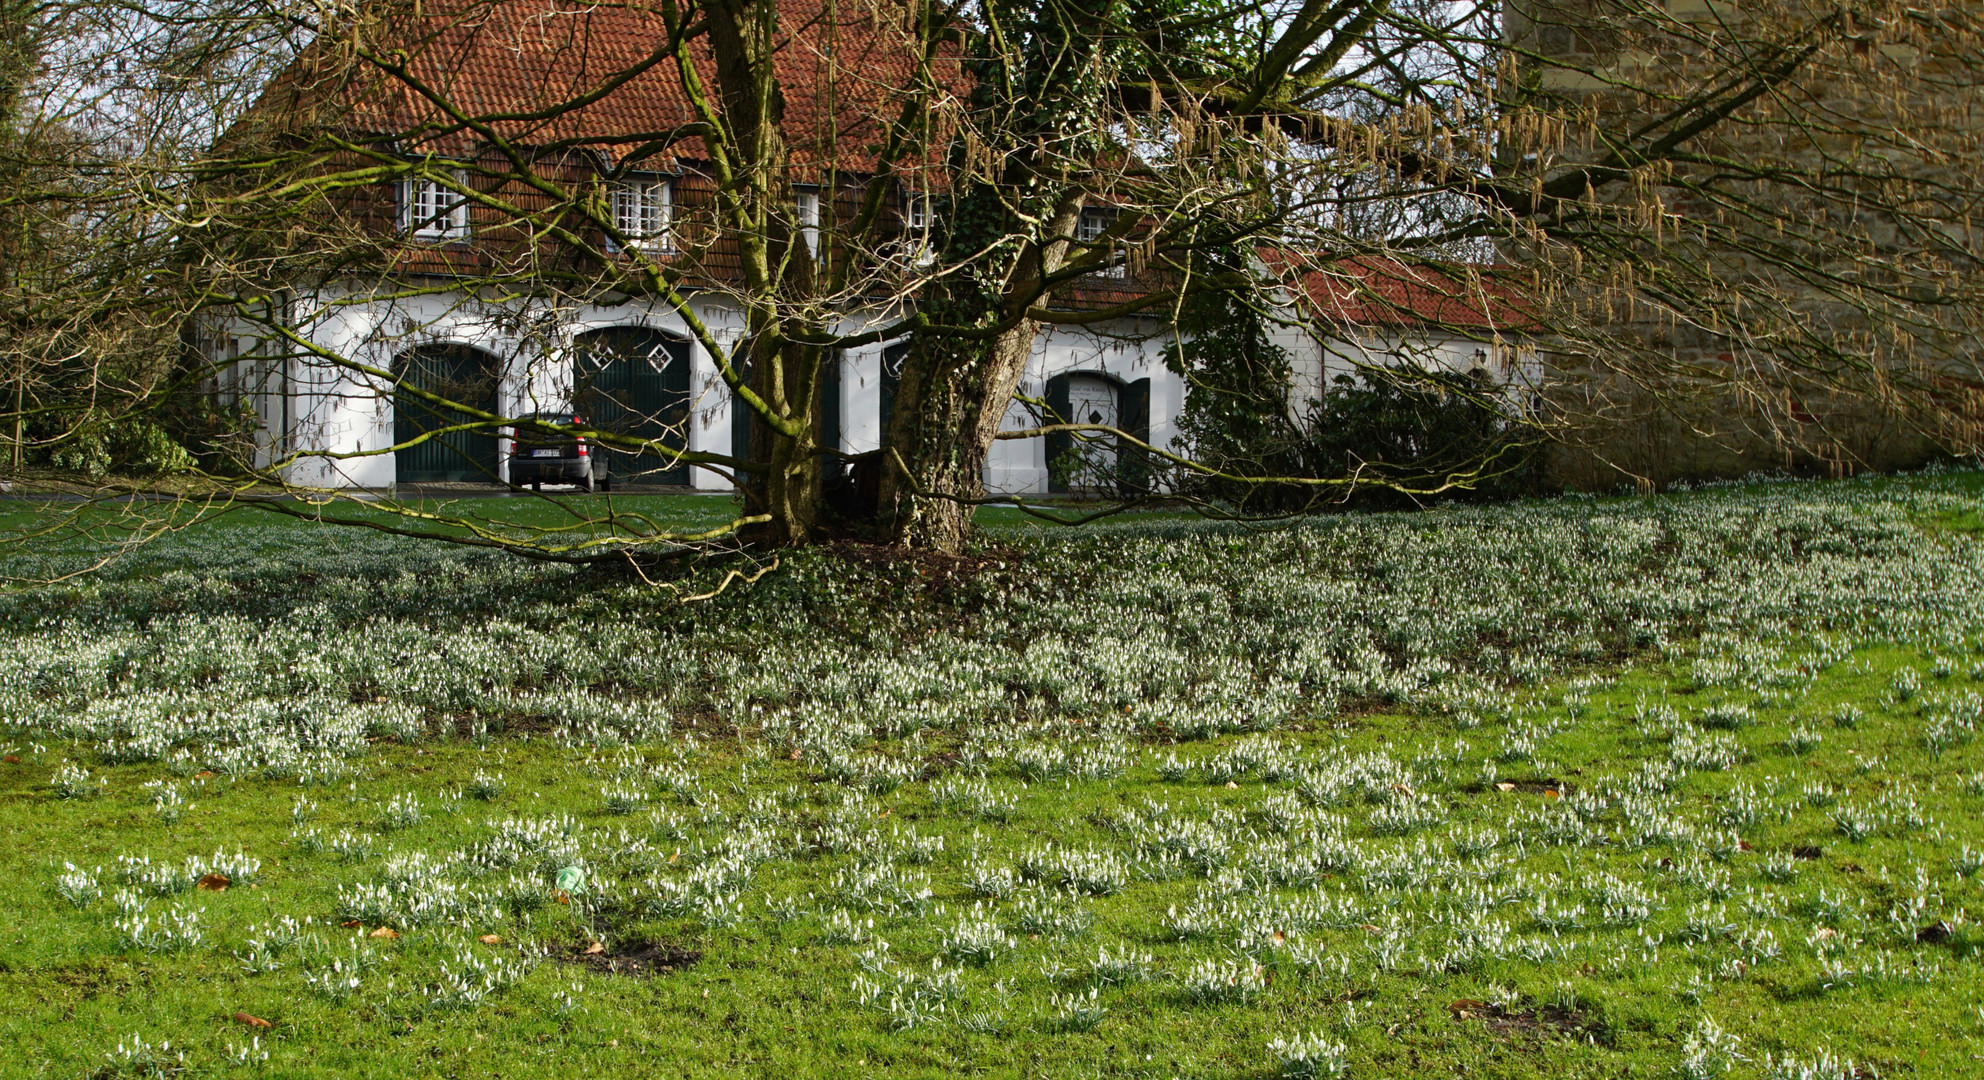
point(1754, 226)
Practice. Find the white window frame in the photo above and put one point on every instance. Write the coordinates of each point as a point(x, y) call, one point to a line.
point(643, 209)
point(431, 210)
point(806, 212)
point(1089, 228)
point(916, 220)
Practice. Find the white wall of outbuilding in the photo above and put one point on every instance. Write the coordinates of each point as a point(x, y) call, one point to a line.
point(1320, 353)
point(332, 422)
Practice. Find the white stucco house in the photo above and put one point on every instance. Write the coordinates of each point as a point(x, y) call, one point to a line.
point(319, 363)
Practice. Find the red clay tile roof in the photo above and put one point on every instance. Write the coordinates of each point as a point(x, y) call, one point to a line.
point(1384, 291)
point(492, 58)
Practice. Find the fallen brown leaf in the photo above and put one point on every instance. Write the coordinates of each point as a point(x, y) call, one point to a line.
point(490, 939)
point(1552, 794)
point(1505, 786)
point(12, 759)
point(352, 924)
point(562, 896)
point(1231, 786)
point(595, 949)
point(1465, 1008)
point(251, 1021)
point(204, 774)
point(213, 883)
point(384, 932)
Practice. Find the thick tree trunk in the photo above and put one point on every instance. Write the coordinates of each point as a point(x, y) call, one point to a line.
point(955, 388)
point(953, 396)
point(789, 488)
point(753, 190)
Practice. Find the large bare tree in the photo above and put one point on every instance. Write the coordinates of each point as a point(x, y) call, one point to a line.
point(1760, 212)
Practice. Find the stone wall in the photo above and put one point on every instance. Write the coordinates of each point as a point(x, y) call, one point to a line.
point(1793, 284)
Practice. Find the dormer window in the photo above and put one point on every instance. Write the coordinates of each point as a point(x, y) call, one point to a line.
point(1089, 229)
point(641, 209)
point(432, 210)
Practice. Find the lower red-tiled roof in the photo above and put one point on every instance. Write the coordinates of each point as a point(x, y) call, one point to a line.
point(1378, 290)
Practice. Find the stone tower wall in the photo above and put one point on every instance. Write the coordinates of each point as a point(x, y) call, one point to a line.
point(1795, 285)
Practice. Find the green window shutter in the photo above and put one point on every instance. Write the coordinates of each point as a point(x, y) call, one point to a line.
point(1133, 462)
point(1059, 443)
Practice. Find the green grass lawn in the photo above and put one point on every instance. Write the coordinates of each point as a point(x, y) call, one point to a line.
point(1683, 787)
point(519, 513)
point(522, 515)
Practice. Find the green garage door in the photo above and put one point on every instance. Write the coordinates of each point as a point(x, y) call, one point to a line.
point(462, 375)
point(635, 381)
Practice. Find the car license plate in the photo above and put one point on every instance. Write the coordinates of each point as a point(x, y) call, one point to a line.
point(549, 451)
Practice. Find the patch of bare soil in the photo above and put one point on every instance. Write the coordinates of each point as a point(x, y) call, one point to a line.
point(1526, 1018)
point(1936, 933)
point(935, 568)
point(637, 958)
point(1542, 785)
point(512, 724)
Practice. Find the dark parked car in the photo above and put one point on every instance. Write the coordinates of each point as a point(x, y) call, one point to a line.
point(538, 458)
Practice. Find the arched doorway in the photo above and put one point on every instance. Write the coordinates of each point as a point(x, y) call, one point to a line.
point(1098, 465)
point(634, 380)
point(465, 376)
